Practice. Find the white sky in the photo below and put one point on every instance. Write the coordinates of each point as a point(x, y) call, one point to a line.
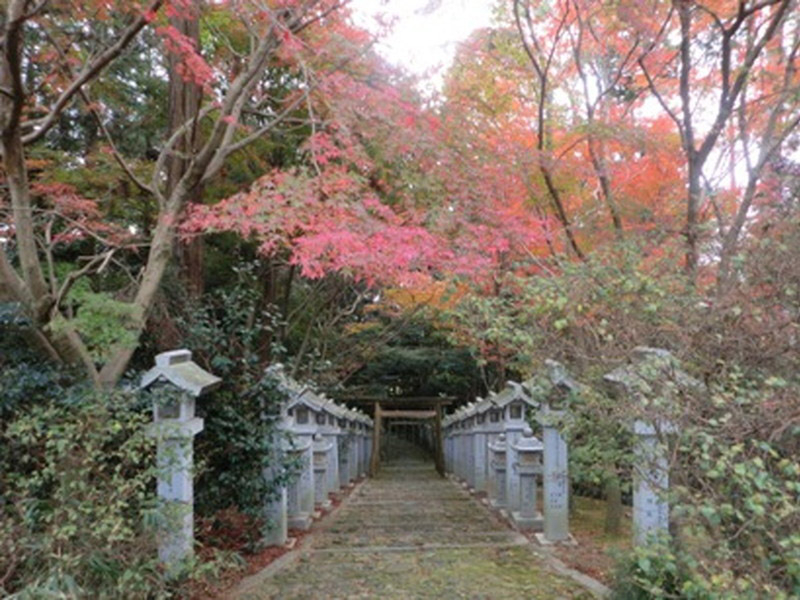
point(426, 32)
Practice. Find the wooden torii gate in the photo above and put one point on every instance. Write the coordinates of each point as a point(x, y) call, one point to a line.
point(416, 408)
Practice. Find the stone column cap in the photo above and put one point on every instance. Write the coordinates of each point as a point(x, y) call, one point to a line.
point(176, 367)
point(528, 442)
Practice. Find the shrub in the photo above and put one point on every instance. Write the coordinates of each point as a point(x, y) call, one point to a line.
point(78, 499)
point(735, 500)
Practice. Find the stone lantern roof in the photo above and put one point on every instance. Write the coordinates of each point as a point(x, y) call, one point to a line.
point(654, 372)
point(176, 367)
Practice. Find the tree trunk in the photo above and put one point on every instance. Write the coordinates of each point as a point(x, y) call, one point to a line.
point(692, 218)
point(185, 97)
point(161, 251)
point(613, 492)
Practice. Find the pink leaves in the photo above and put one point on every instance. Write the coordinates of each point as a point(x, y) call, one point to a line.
point(74, 215)
point(191, 66)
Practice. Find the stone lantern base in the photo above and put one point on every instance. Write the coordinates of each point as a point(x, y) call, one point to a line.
point(523, 523)
point(301, 521)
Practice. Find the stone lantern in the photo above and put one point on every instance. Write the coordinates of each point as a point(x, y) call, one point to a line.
point(528, 469)
point(302, 411)
point(551, 390)
point(174, 427)
point(651, 382)
point(514, 403)
point(497, 453)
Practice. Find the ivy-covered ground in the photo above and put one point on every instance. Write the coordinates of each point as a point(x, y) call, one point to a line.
point(410, 534)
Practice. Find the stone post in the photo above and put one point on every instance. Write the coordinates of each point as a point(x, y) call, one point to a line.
point(176, 492)
point(446, 444)
point(650, 384)
point(275, 509)
point(493, 428)
point(353, 448)
point(528, 450)
point(456, 443)
point(301, 490)
point(479, 452)
point(330, 430)
point(367, 443)
point(322, 460)
point(650, 483)
point(362, 446)
point(174, 429)
point(344, 452)
point(497, 495)
point(556, 481)
point(514, 425)
point(449, 450)
point(469, 450)
point(556, 388)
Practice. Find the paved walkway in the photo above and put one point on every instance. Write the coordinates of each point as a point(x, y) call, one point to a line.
point(410, 534)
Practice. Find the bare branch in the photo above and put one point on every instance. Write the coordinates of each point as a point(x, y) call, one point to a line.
point(92, 69)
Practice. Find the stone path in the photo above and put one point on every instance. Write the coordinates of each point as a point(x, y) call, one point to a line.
point(410, 534)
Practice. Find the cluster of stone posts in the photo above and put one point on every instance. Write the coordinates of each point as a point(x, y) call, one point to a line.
point(327, 444)
point(329, 447)
point(490, 447)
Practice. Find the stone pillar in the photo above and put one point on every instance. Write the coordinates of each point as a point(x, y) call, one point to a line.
point(479, 453)
point(176, 491)
point(353, 438)
point(301, 490)
point(528, 468)
point(322, 459)
point(449, 451)
point(497, 495)
point(331, 433)
point(457, 450)
point(364, 457)
point(493, 428)
point(556, 480)
point(368, 444)
point(650, 485)
point(275, 510)
point(344, 453)
point(652, 384)
point(513, 432)
point(469, 474)
point(464, 439)
point(446, 446)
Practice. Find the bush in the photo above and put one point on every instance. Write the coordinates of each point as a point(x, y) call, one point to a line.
point(78, 499)
point(735, 500)
point(236, 448)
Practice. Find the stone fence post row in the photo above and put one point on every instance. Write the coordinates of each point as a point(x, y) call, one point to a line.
point(327, 446)
point(491, 449)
